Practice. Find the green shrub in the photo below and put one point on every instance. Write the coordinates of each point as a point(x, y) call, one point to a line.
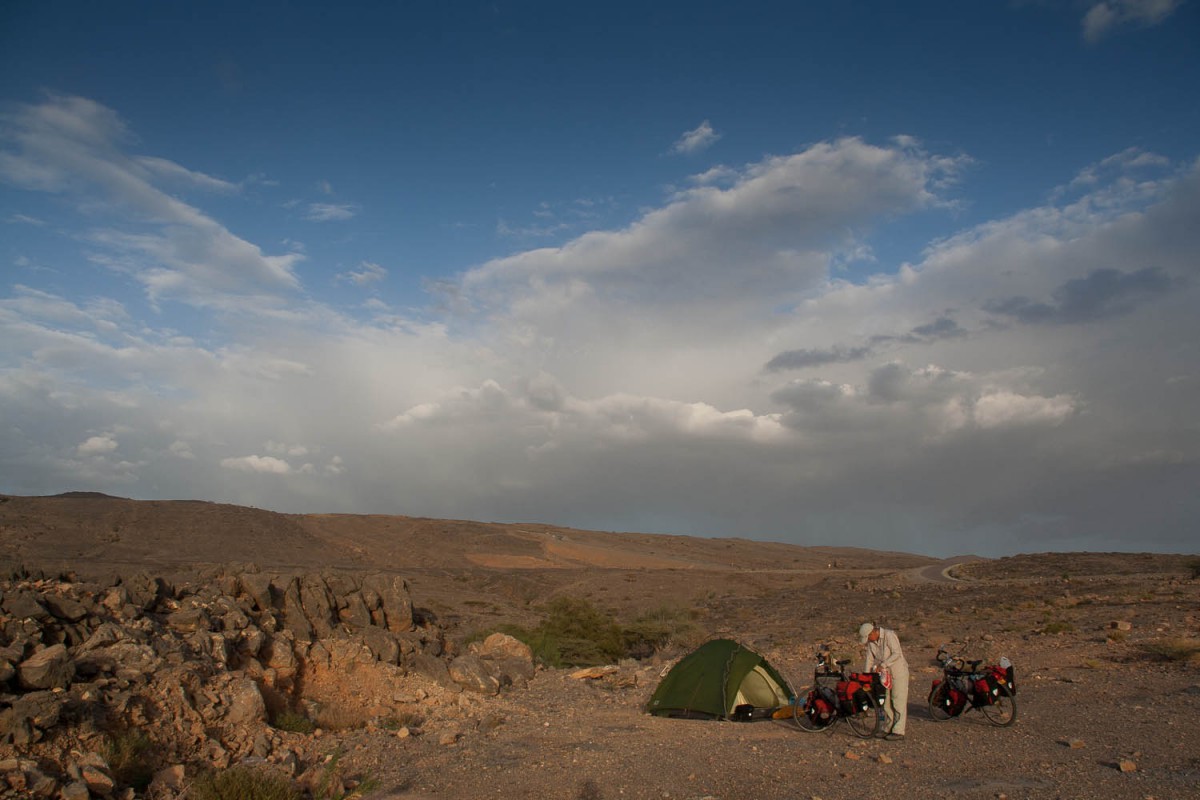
point(1058, 627)
point(574, 633)
point(293, 721)
point(654, 630)
point(1193, 567)
point(242, 783)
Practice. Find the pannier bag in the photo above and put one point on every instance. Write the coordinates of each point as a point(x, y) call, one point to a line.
point(872, 683)
point(952, 701)
point(820, 706)
point(852, 696)
point(1010, 677)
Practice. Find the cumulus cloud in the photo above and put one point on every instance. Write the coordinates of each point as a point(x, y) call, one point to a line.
point(697, 139)
point(1103, 18)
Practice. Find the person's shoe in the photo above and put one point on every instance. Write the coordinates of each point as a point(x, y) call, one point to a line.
point(895, 737)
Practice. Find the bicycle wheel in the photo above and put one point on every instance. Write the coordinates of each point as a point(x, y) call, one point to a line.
point(864, 721)
point(939, 703)
point(807, 716)
point(1002, 711)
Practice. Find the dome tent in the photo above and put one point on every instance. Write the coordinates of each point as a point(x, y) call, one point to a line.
point(716, 678)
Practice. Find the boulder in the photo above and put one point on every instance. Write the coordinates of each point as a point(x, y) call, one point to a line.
point(382, 644)
point(51, 668)
point(470, 672)
point(190, 619)
point(395, 600)
point(354, 612)
point(317, 604)
point(36, 711)
point(511, 671)
point(65, 608)
point(501, 645)
point(246, 704)
point(294, 618)
point(433, 668)
point(257, 587)
point(24, 605)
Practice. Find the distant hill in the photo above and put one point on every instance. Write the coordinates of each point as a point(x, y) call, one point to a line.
point(77, 529)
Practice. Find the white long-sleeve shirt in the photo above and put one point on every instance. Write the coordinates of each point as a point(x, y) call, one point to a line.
point(886, 652)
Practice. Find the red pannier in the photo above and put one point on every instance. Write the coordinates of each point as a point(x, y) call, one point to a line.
point(952, 701)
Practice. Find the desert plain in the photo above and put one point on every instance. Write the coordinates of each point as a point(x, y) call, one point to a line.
point(1106, 648)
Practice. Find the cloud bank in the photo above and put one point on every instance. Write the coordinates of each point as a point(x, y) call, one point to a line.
point(1028, 383)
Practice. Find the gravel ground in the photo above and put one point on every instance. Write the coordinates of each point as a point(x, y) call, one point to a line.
point(585, 740)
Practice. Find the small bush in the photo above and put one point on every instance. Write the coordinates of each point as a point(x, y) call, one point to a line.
point(333, 785)
point(659, 628)
point(294, 722)
point(127, 754)
point(341, 718)
point(1179, 649)
point(402, 720)
point(1058, 627)
point(1193, 567)
point(242, 783)
point(1117, 636)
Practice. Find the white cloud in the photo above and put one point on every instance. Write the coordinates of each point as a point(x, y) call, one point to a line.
point(74, 146)
point(696, 140)
point(367, 273)
point(1000, 391)
point(267, 464)
point(170, 170)
point(181, 449)
point(1004, 408)
point(97, 445)
point(330, 212)
point(1102, 18)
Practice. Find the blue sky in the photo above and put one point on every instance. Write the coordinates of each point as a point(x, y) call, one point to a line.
point(917, 276)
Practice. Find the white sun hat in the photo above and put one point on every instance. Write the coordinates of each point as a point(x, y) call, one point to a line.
point(864, 631)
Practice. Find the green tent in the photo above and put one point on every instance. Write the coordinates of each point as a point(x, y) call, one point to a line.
point(716, 678)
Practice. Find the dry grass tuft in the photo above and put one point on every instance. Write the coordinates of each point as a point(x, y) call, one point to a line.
point(1176, 649)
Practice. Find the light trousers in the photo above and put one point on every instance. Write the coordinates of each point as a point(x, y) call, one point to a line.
point(895, 705)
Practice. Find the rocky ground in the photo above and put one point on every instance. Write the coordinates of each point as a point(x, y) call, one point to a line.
point(216, 667)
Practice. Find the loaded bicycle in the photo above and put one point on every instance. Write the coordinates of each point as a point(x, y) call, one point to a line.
point(965, 686)
point(856, 697)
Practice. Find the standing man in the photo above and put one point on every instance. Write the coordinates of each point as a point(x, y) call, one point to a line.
point(884, 655)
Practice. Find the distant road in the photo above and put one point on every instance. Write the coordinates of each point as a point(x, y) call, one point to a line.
point(939, 572)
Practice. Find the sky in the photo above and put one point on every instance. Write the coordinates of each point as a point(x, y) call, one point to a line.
point(917, 277)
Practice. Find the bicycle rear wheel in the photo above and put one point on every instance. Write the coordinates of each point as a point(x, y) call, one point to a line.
point(806, 714)
point(1002, 711)
point(940, 708)
point(864, 721)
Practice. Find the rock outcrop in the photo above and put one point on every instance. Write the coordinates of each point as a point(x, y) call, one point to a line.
point(196, 670)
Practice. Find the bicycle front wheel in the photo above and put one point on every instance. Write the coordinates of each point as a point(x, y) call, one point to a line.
point(1002, 711)
point(809, 717)
point(864, 721)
